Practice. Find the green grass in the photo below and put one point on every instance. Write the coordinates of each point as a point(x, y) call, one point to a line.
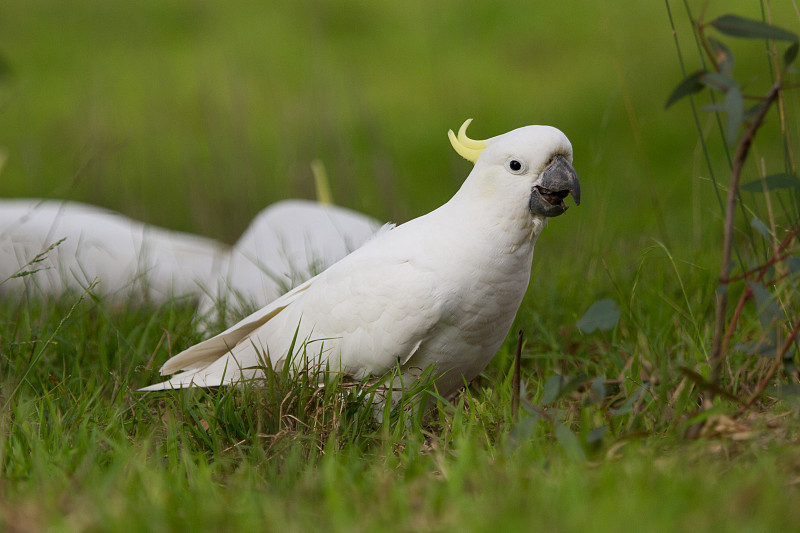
point(81, 451)
point(195, 115)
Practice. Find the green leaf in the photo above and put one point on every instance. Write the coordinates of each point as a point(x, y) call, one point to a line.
point(761, 228)
point(793, 263)
point(599, 389)
point(572, 385)
point(523, 430)
point(557, 386)
point(596, 434)
point(713, 108)
point(790, 55)
point(718, 81)
point(759, 347)
point(723, 55)
point(603, 315)
point(786, 391)
point(627, 407)
point(552, 388)
point(690, 85)
point(697, 81)
point(785, 180)
point(569, 442)
point(768, 310)
point(736, 26)
point(734, 107)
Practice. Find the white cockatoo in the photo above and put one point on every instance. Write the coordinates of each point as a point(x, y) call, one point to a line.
point(440, 291)
point(74, 246)
point(286, 244)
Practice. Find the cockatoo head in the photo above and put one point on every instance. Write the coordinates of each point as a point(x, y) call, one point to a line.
point(535, 161)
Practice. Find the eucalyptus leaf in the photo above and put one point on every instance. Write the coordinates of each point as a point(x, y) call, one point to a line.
point(768, 310)
point(724, 56)
point(530, 409)
point(627, 407)
point(599, 388)
point(557, 386)
point(758, 347)
point(552, 388)
point(569, 442)
point(691, 84)
point(713, 108)
point(785, 180)
point(734, 107)
point(572, 385)
point(603, 315)
point(736, 26)
point(597, 434)
point(786, 391)
point(793, 263)
point(718, 81)
point(761, 228)
point(790, 55)
point(523, 430)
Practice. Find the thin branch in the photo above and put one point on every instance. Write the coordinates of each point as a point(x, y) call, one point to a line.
point(746, 295)
point(779, 255)
point(789, 340)
point(516, 383)
point(760, 269)
point(742, 151)
point(772, 369)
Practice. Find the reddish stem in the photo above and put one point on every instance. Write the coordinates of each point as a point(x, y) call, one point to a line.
point(742, 150)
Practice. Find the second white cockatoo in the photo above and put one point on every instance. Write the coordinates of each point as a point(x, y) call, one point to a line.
point(286, 244)
point(51, 246)
point(48, 247)
point(440, 291)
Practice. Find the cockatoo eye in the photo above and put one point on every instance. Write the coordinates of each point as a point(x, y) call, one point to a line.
point(515, 166)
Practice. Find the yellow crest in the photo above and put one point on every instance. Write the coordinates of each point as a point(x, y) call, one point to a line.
point(467, 148)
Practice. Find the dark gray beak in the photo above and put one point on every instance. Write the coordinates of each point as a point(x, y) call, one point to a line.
point(558, 181)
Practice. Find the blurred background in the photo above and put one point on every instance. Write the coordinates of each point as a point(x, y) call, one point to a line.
point(195, 114)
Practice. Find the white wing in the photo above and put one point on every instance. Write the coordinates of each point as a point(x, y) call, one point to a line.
point(287, 243)
point(366, 314)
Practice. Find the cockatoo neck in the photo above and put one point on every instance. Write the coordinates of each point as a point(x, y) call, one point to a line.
point(495, 211)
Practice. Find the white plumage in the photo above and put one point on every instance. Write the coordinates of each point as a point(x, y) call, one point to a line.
point(91, 246)
point(122, 258)
point(440, 290)
point(285, 245)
